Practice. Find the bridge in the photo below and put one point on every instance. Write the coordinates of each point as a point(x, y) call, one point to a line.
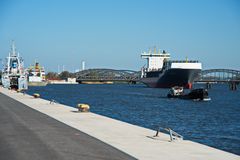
point(219, 75)
point(103, 75)
point(232, 77)
point(207, 76)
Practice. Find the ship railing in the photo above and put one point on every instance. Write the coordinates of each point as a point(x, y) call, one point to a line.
point(103, 78)
point(184, 61)
point(145, 70)
point(152, 69)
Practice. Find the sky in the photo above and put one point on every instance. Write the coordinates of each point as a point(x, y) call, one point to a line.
point(112, 34)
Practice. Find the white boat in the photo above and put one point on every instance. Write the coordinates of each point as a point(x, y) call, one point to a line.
point(13, 73)
point(36, 75)
point(175, 92)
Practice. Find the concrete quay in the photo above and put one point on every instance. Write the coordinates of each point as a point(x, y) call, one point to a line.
point(26, 134)
point(133, 140)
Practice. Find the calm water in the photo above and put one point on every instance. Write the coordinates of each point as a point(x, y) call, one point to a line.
point(215, 123)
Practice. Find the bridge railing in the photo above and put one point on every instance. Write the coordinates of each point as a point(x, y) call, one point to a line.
point(219, 75)
point(206, 75)
point(105, 78)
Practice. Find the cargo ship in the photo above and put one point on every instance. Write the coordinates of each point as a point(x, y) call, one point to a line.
point(36, 75)
point(13, 73)
point(161, 72)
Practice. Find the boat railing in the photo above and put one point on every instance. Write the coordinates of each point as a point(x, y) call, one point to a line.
point(184, 61)
point(151, 69)
point(145, 70)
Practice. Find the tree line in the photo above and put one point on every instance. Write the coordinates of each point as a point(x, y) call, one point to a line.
point(62, 75)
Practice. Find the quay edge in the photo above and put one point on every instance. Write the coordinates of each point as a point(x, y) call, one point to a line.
point(136, 141)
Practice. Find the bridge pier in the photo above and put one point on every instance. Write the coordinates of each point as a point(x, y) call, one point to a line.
point(208, 85)
point(132, 82)
point(233, 86)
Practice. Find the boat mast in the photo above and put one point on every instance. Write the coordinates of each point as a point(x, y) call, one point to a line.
point(13, 49)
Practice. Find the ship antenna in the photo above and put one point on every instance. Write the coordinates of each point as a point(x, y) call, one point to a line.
point(150, 51)
point(155, 50)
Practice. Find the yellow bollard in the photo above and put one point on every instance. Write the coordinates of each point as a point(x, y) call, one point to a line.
point(83, 107)
point(36, 95)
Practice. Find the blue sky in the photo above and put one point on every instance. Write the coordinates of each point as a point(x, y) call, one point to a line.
point(112, 34)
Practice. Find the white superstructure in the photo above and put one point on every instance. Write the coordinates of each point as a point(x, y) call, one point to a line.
point(160, 60)
point(36, 75)
point(14, 63)
point(186, 65)
point(155, 59)
point(13, 74)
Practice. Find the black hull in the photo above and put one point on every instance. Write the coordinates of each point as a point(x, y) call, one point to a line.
point(171, 78)
point(195, 94)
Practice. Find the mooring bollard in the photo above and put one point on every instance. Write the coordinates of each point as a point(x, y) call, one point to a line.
point(36, 95)
point(83, 107)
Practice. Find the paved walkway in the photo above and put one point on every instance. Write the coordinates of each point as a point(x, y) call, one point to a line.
point(27, 134)
point(133, 140)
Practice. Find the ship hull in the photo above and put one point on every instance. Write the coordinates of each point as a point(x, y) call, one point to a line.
point(171, 78)
point(37, 83)
point(14, 82)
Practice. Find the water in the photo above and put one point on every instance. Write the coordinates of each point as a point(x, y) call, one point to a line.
point(215, 123)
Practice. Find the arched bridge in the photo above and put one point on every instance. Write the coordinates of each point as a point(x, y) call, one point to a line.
point(219, 75)
point(210, 75)
point(102, 75)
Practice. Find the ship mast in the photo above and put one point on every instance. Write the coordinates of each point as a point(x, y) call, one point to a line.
point(13, 50)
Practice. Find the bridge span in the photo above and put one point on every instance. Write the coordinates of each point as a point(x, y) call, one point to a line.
point(229, 76)
point(105, 75)
point(219, 75)
point(206, 76)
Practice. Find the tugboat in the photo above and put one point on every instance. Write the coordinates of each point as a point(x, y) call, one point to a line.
point(175, 92)
point(199, 94)
point(13, 74)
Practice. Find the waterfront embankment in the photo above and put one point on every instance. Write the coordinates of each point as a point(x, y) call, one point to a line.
point(28, 134)
point(134, 140)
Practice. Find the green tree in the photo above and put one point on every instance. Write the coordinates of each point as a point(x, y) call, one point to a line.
point(52, 75)
point(66, 74)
